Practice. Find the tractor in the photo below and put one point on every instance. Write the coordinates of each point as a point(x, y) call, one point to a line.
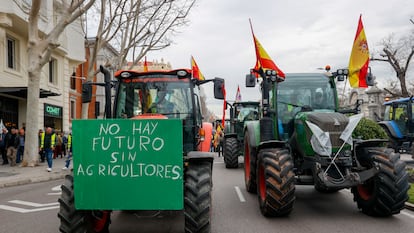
point(240, 112)
point(302, 138)
point(150, 153)
point(398, 122)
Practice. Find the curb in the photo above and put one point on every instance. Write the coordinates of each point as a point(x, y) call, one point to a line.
point(409, 206)
point(32, 180)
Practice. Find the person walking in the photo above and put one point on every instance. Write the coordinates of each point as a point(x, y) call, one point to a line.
point(64, 144)
point(58, 147)
point(41, 151)
point(47, 143)
point(11, 146)
point(20, 145)
point(3, 146)
point(69, 147)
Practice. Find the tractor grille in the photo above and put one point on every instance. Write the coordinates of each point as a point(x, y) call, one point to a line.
point(334, 123)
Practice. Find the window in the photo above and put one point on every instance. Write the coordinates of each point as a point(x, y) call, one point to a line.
point(12, 53)
point(73, 81)
point(53, 71)
point(72, 109)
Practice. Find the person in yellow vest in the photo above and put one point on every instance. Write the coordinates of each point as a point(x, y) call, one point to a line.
point(69, 156)
point(47, 143)
point(218, 139)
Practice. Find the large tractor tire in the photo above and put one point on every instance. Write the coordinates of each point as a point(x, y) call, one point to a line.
point(250, 161)
point(197, 198)
point(385, 193)
point(231, 153)
point(79, 221)
point(275, 182)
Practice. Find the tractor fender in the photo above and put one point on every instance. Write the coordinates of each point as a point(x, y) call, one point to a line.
point(370, 143)
point(252, 128)
point(230, 135)
point(205, 145)
point(196, 156)
point(273, 144)
point(391, 128)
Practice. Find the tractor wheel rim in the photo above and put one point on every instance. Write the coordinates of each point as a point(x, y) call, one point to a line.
point(365, 191)
point(99, 223)
point(247, 163)
point(262, 183)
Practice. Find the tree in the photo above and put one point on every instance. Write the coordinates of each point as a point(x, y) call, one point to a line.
point(40, 47)
point(398, 54)
point(134, 28)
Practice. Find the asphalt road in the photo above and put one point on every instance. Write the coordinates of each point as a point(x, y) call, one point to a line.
point(33, 208)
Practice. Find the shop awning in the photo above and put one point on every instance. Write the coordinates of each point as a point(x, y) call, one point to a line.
point(22, 92)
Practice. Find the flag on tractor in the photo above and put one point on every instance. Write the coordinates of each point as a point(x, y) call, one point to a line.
point(263, 60)
point(359, 60)
point(196, 71)
point(145, 64)
point(238, 95)
point(223, 120)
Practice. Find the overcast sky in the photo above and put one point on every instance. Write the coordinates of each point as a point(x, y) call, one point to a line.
point(300, 36)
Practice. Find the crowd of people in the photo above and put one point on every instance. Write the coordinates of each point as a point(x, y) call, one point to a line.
point(52, 145)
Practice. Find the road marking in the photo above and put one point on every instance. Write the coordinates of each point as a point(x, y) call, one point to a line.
point(24, 211)
point(407, 214)
point(57, 189)
point(39, 206)
point(33, 204)
point(239, 194)
point(54, 194)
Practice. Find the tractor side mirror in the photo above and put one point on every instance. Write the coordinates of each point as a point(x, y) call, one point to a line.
point(250, 80)
point(219, 88)
point(370, 79)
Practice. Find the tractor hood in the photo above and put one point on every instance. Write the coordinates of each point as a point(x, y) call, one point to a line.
point(330, 129)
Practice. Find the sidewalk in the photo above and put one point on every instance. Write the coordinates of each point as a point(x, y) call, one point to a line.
point(12, 176)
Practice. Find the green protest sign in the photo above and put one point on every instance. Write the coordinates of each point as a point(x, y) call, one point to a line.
point(123, 164)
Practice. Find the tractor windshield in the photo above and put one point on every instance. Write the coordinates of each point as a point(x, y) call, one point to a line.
point(301, 90)
point(247, 112)
point(167, 95)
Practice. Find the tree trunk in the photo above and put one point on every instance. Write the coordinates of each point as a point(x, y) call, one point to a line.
point(31, 151)
point(404, 92)
point(85, 111)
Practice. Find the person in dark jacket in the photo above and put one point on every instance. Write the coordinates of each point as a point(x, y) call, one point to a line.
point(11, 146)
point(21, 137)
point(3, 146)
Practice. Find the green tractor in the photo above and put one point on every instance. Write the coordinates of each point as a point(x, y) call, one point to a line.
point(302, 138)
point(152, 155)
point(240, 112)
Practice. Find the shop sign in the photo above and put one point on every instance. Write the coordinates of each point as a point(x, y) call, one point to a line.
point(53, 111)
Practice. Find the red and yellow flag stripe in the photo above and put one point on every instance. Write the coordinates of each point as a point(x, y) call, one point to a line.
point(196, 71)
point(359, 59)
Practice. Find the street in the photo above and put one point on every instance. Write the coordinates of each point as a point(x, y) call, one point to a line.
point(33, 208)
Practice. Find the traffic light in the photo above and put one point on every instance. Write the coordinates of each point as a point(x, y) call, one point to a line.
point(86, 92)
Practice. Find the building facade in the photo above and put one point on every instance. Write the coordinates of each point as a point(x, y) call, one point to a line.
point(56, 75)
point(97, 105)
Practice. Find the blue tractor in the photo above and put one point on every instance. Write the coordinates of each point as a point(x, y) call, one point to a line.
point(398, 122)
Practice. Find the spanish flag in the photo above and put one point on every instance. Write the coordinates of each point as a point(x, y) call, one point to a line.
point(263, 60)
point(196, 71)
point(359, 60)
point(238, 95)
point(145, 65)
